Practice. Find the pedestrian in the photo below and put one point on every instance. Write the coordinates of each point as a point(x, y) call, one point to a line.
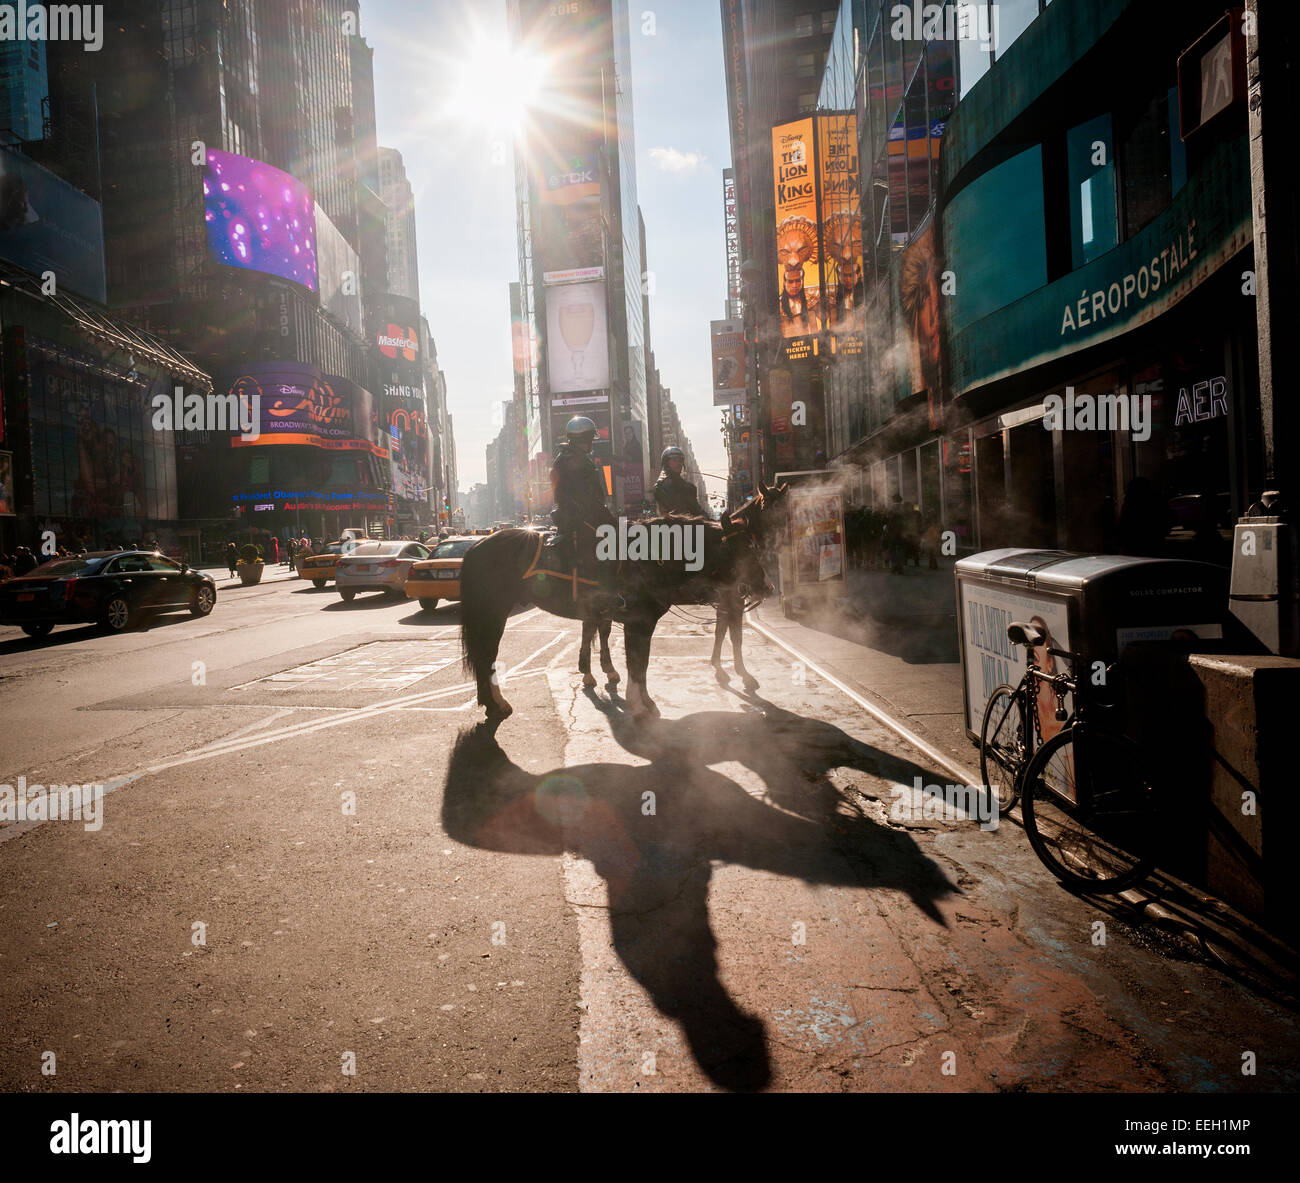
point(232, 557)
point(25, 561)
point(275, 549)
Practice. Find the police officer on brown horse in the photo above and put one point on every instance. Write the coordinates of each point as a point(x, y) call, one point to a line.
point(580, 508)
point(673, 492)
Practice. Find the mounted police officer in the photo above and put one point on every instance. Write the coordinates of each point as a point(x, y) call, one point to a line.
point(673, 492)
point(580, 508)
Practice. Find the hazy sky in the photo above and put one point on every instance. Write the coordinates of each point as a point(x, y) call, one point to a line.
point(464, 198)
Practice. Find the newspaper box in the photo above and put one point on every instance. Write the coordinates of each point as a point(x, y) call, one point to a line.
point(813, 565)
point(1093, 605)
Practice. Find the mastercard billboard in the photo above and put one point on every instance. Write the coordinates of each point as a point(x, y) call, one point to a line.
point(395, 338)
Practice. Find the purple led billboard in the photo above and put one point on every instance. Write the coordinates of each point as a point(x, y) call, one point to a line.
point(259, 218)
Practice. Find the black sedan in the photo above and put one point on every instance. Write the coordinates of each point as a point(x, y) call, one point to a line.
point(112, 588)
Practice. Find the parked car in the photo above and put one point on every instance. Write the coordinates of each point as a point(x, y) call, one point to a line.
point(377, 566)
point(112, 588)
point(320, 568)
point(438, 577)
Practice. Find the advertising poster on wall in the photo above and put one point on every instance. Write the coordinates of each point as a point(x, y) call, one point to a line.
point(780, 393)
point(7, 484)
point(817, 535)
point(727, 342)
point(798, 251)
point(259, 218)
point(577, 340)
point(918, 301)
point(633, 464)
point(48, 225)
point(839, 204)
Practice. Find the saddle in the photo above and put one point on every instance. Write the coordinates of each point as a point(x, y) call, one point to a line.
point(554, 563)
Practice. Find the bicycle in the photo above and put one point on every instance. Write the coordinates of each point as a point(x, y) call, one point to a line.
point(1088, 806)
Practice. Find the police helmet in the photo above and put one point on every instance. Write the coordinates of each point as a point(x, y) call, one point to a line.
point(669, 454)
point(580, 427)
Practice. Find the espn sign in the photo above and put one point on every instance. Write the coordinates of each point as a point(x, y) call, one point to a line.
point(1212, 73)
point(395, 338)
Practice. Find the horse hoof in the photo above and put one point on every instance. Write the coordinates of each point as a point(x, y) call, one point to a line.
point(589, 681)
point(611, 677)
point(721, 675)
point(751, 683)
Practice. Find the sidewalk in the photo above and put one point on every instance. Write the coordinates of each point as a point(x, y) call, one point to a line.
point(892, 639)
point(271, 573)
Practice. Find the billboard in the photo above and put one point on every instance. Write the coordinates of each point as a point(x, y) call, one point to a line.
point(598, 414)
point(395, 337)
point(840, 215)
point(798, 245)
point(300, 405)
point(727, 341)
point(48, 225)
point(731, 222)
point(817, 535)
point(577, 339)
point(338, 271)
point(918, 300)
point(633, 464)
point(259, 218)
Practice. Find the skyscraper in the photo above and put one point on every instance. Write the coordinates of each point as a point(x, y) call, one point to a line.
point(581, 267)
point(395, 191)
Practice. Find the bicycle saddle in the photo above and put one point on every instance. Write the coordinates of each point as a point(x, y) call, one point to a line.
point(1024, 634)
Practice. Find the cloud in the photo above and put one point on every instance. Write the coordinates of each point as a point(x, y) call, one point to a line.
point(670, 160)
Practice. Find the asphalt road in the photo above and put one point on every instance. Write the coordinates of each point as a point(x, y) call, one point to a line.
point(316, 871)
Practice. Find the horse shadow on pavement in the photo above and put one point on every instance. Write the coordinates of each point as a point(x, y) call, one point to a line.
point(657, 867)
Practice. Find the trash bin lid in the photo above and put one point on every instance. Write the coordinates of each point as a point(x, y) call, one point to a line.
point(1171, 576)
point(1012, 562)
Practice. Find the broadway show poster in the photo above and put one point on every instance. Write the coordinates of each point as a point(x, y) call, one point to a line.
point(817, 535)
point(797, 238)
point(918, 301)
point(841, 223)
point(727, 341)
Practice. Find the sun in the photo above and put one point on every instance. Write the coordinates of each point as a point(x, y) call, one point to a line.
point(495, 84)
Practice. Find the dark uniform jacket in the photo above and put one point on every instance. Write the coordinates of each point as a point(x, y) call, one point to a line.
point(675, 494)
point(579, 489)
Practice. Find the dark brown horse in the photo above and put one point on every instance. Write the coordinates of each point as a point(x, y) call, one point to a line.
point(507, 569)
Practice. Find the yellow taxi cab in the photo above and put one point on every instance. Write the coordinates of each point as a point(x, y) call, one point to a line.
point(320, 568)
point(438, 577)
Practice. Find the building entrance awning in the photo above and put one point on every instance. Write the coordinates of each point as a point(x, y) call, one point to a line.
point(97, 326)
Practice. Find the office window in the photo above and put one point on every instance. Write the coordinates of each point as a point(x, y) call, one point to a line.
point(803, 25)
point(1147, 165)
point(805, 65)
point(807, 103)
point(1094, 224)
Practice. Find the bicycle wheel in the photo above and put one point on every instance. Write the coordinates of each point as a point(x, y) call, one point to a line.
point(1090, 810)
point(1003, 753)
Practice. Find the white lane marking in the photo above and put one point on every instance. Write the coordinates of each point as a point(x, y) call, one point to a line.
point(227, 748)
point(947, 763)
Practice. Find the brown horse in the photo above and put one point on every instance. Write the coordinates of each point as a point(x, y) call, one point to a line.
point(504, 570)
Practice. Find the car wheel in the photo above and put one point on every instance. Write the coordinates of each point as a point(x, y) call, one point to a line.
point(38, 630)
point(428, 604)
point(203, 601)
point(347, 594)
point(318, 584)
point(117, 615)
